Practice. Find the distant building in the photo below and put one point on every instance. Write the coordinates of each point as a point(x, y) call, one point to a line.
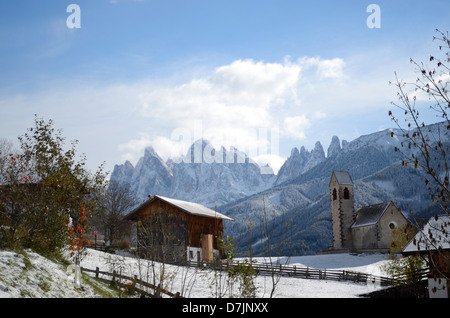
point(368, 229)
point(176, 231)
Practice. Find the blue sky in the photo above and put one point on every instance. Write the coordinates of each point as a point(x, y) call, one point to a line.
point(162, 73)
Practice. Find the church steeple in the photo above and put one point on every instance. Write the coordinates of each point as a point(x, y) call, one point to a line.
point(342, 209)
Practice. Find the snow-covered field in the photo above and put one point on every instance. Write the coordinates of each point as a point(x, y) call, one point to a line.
point(31, 275)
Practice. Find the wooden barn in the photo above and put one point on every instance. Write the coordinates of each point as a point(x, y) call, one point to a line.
point(177, 231)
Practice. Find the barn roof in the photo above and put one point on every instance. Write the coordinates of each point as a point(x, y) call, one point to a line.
point(186, 206)
point(195, 208)
point(343, 177)
point(434, 235)
point(370, 215)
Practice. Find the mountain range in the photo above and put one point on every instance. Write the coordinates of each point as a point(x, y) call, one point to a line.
point(203, 175)
point(293, 205)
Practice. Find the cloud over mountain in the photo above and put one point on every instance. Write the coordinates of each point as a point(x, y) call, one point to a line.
point(235, 105)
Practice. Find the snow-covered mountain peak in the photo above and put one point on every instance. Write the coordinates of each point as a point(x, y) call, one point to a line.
point(216, 176)
point(318, 149)
point(334, 148)
point(150, 151)
point(204, 175)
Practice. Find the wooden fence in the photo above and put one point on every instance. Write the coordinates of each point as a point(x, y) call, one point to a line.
point(329, 274)
point(333, 274)
point(313, 273)
point(131, 284)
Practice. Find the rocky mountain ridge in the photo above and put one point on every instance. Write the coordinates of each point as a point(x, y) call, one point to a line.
point(233, 184)
point(204, 175)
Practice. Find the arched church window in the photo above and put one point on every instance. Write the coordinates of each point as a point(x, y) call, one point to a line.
point(346, 194)
point(334, 194)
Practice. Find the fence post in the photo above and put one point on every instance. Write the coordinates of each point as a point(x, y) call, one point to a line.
point(113, 281)
point(158, 291)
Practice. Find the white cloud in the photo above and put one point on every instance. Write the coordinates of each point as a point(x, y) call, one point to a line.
point(240, 104)
point(331, 68)
point(235, 103)
point(235, 95)
point(296, 126)
point(324, 68)
point(274, 161)
point(133, 148)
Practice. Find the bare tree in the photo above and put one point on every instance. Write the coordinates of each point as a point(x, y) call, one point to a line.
point(274, 242)
point(118, 200)
point(6, 150)
point(427, 147)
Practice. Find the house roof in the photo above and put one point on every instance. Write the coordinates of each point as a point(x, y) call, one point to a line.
point(434, 235)
point(343, 177)
point(186, 206)
point(370, 215)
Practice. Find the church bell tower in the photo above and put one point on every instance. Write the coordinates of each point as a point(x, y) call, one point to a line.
point(342, 209)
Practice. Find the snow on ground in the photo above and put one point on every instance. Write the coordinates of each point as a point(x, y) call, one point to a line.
point(31, 275)
point(366, 263)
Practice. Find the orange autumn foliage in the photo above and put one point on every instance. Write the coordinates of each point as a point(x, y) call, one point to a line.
point(76, 236)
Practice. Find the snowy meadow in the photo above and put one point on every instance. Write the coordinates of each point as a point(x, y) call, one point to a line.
point(28, 274)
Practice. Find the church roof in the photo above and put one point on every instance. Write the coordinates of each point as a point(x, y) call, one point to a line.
point(370, 215)
point(343, 177)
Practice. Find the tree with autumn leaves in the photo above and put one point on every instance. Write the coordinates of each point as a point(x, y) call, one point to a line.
point(76, 242)
point(47, 192)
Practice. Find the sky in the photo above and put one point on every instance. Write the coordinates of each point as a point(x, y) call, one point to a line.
point(263, 76)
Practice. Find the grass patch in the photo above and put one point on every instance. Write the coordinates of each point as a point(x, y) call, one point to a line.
point(101, 289)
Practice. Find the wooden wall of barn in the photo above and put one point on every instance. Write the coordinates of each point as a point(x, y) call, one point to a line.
point(166, 231)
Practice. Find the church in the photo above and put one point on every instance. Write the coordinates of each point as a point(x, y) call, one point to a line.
point(369, 228)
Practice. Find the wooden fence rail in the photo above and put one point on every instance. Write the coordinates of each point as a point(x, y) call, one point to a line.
point(329, 274)
point(313, 273)
point(131, 284)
